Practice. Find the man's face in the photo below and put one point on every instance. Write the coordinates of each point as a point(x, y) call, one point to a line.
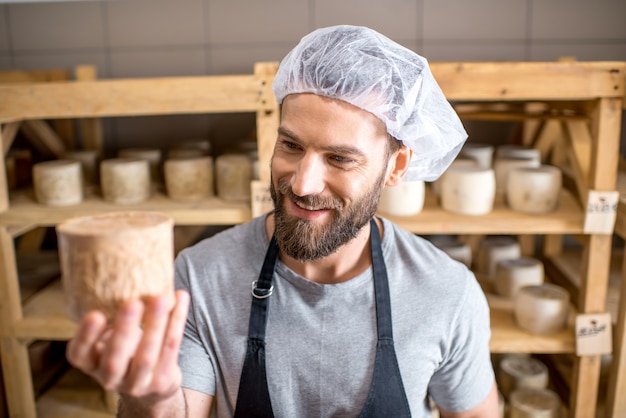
point(328, 169)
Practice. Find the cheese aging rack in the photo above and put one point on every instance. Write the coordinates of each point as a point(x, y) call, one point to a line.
point(571, 112)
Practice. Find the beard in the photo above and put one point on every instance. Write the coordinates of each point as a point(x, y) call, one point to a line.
point(304, 240)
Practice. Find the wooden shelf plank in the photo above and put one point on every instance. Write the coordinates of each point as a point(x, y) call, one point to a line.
point(74, 395)
point(493, 81)
point(506, 337)
point(45, 318)
point(24, 210)
point(132, 97)
point(432, 219)
point(175, 95)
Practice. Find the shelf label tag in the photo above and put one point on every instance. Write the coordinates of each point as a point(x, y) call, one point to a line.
point(601, 212)
point(593, 334)
point(261, 198)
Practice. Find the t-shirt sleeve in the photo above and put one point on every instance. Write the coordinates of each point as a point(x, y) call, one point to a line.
point(194, 360)
point(465, 376)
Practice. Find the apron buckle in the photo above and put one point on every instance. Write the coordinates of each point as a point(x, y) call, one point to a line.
point(261, 293)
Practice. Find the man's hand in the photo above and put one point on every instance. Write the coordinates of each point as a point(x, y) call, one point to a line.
point(137, 355)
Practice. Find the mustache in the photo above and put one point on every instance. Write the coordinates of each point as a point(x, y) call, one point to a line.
point(309, 201)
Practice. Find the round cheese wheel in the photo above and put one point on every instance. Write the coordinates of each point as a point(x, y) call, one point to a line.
point(109, 258)
point(189, 179)
point(58, 182)
point(541, 309)
point(125, 180)
point(535, 403)
point(515, 372)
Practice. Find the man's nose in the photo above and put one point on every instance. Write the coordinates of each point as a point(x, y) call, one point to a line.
point(309, 176)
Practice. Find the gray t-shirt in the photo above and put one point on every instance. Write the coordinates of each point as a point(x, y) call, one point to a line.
point(321, 339)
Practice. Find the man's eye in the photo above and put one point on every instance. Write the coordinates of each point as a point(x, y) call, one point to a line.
point(341, 160)
point(289, 144)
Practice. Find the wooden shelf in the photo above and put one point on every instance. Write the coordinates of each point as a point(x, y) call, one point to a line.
point(507, 337)
point(45, 318)
point(212, 211)
point(74, 395)
point(586, 144)
point(28, 106)
point(568, 219)
point(431, 220)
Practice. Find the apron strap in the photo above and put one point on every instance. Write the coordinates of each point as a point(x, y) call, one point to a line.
point(253, 397)
point(381, 285)
point(387, 397)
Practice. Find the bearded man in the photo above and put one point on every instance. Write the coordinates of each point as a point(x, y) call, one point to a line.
point(320, 308)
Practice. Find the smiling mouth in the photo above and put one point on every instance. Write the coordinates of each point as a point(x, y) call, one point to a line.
point(307, 212)
point(309, 207)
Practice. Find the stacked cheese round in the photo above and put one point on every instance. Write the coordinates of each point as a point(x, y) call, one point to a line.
point(58, 182)
point(535, 403)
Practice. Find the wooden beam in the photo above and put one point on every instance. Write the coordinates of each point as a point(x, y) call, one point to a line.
point(14, 353)
point(9, 130)
point(605, 128)
point(9, 283)
point(594, 274)
point(552, 245)
point(17, 230)
point(531, 127)
point(40, 132)
point(31, 241)
point(175, 95)
point(579, 137)
point(616, 401)
point(578, 153)
point(267, 119)
point(4, 185)
point(548, 134)
point(530, 80)
point(527, 245)
point(516, 116)
point(90, 128)
point(64, 128)
point(131, 97)
point(624, 99)
point(584, 393)
point(16, 373)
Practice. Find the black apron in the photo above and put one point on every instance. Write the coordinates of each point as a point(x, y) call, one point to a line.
point(386, 396)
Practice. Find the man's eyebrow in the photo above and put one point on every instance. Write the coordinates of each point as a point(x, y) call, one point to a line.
point(345, 150)
point(338, 149)
point(286, 132)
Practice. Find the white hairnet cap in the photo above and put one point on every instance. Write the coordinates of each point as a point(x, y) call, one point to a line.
point(366, 69)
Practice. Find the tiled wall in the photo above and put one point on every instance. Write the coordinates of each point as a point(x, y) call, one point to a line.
point(143, 38)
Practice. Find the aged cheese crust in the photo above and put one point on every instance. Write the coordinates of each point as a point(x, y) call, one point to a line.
point(110, 258)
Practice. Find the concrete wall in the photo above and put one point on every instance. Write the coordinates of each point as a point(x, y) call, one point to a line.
point(144, 38)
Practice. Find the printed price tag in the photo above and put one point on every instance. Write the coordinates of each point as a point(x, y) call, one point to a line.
point(593, 334)
point(261, 198)
point(601, 212)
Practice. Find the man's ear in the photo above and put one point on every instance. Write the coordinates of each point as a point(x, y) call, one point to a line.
point(398, 165)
